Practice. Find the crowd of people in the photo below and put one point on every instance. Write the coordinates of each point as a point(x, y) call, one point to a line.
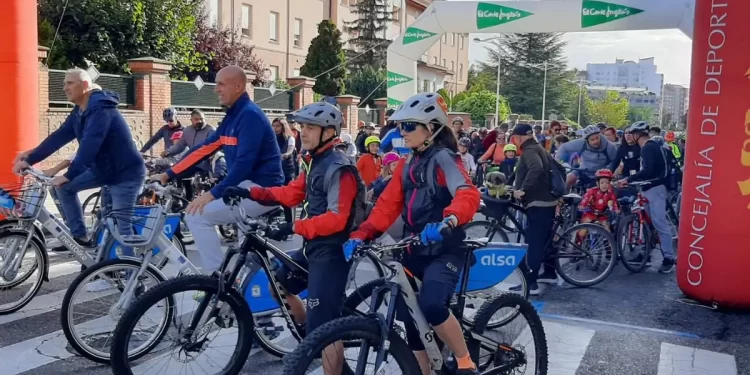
point(415, 174)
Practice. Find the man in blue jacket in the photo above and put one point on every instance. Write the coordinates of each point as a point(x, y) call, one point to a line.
point(253, 158)
point(106, 154)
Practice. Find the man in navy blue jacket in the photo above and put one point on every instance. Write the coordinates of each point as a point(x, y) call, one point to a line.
point(253, 158)
point(106, 154)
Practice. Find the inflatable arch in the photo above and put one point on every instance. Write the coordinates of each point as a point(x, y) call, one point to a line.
point(714, 246)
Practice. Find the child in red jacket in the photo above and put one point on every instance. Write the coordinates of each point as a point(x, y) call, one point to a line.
point(599, 199)
point(369, 164)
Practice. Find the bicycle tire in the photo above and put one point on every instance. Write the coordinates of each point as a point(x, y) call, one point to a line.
point(621, 233)
point(121, 337)
point(65, 318)
point(524, 308)
point(43, 269)
point(349, 328)
point(488, 224)
point(95, 195)
point(589, 227)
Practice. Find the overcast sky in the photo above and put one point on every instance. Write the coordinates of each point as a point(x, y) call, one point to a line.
point(670, 48)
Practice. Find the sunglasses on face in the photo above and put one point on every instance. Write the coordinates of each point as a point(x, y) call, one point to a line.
point(408, 126)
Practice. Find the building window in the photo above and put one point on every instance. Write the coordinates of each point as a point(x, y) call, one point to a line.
point(445, 38)
point(247, 16)
point(297, 32)
point(274, 72)
point(426, 86)
point(213, 12)
point(453, 39)
point(460, 71)
point(274, 27)
point(296, 73)
point(396, 14)
point(461, 41)
point(444, 64)
point(434, 60)
point(453, 66)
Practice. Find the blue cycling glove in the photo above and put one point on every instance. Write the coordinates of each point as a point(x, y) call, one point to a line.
point(431, 232)
point(349, 248)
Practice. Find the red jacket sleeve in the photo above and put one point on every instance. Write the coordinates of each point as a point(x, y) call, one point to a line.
point(452, 174)
point(613, 197)
point(341, 195)
point(287, 196)
point(387, 208)
point(586, 199)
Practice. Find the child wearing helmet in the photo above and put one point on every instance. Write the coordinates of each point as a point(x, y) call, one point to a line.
point(389, 166)
point(369, 164)
point(463, 150)
point(599, 199)
point(332, 195)
point(434, 195)
point(508, 166)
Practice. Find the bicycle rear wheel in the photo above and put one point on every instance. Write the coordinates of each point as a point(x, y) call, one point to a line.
point(585, 247)
point(351, 331)
point(634, 244)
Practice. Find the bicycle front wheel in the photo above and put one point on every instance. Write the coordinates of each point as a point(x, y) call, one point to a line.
point(19, 286)
point(198, 340)
point(586, 254)
point(354, 332)
point(485, 229)
point(634, 244)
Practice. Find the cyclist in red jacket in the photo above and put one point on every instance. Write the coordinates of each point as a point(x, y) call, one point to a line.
point(599, 199)
point(430, 190)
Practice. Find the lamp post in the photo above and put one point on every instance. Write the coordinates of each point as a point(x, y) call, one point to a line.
point(497, 85)
point(580, 96)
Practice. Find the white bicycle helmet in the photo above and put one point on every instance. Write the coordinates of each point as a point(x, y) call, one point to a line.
point(423, 108)
point(346, 138)
point(639, 127)
point(590, 130)
point(321, 114)
point(458, 119)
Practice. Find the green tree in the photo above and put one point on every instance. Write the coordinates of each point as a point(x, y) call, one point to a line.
point(446, 95)
point(611, 110)
point(667, 121)
point(481, 102)
point(369, 33)
point(109, 32)
point(368, 83)
point(522, 60)
point(640, 114)
point(326, 53)
point(481, 79)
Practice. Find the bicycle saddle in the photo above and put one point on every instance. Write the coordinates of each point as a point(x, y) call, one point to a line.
point(572, 199)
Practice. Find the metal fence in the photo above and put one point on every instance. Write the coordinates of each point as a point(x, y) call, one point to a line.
point(280, 101)
point(373, 116)
point(185, 94)
point(122, 85)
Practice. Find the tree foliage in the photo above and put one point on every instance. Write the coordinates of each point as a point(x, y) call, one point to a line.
point(217, 47)
point(368, 33)
point(368, 83)
point(326, 52)
point(481, 79)
point(667, 121)
point(521, 58)
point(640, 114)
point(109, 32)
point(478, 103)
point(611, 110)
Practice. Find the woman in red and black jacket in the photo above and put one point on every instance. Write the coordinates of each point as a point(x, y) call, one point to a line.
point(430, 190)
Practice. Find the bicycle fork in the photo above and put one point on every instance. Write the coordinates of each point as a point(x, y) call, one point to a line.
point(10, 270)
point(128, 293)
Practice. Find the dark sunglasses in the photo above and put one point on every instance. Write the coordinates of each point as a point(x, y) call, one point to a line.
point(408, 126)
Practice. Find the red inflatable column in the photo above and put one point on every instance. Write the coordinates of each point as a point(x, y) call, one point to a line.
point(20, 93)
point(714, 240)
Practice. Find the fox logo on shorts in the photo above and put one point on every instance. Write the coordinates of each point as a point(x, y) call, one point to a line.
point(312, 303)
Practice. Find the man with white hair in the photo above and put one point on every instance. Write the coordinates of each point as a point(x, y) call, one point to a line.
point(106, 155)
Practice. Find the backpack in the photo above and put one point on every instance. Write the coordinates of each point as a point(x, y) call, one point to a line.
point(556, 176)
point(672, 170)
point(362, 206)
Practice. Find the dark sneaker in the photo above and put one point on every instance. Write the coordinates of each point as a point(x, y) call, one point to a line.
point(533, 289)
point(667, 266)
point(467, 371)
point(547, 277)
point(59, 249)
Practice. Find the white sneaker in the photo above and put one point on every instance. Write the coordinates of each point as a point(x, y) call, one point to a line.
point(98, 286)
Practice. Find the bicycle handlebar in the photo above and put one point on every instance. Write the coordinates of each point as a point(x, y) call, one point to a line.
point(37, 174)
point(164, 190)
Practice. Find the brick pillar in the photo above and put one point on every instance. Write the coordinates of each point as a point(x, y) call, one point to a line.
point(249, 87)
point(490, 121)
point(153, 92)
point(43, 82)
point(513, 120)
point(303, 90)
point(381, 105)
point(349, 105)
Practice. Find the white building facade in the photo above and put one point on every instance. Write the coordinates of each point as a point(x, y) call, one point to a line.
point(675, 103)
point(627, 74)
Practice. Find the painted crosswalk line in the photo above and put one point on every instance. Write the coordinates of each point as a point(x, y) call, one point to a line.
point(683, 360)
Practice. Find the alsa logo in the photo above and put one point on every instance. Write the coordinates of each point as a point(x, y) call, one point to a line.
point(498, 260)
point(595, 13)
point(489, 15)
point(395, 79)
point(414, 34)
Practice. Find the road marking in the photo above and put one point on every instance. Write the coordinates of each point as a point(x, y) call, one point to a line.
point(63, 269)
point(51, 302)
point(566, 346)
point(683, 360)
point(619, 325)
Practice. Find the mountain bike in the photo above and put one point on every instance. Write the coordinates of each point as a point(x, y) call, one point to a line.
point(381, 339)
point(212, 297)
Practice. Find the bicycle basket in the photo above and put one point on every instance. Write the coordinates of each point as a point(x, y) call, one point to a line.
point(23, 202)
point(494, 207)
point(147, 223)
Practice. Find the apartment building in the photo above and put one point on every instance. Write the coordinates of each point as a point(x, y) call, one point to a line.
point(637, 97)
point(281, 32)
point(675, 102)
point(621, 73)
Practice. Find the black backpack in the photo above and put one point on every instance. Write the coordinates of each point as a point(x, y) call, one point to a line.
point(556, 176)
point(672, 170)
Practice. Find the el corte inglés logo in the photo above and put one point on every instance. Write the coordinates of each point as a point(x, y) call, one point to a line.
point(595, 13)
point(414, 34)
point(395, 79)
point(489, 15)
point(392, 103)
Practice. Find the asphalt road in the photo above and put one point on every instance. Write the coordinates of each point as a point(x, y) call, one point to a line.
point(629, 324)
